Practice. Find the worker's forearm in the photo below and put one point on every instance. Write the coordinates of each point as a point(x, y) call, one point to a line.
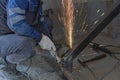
point(23, 28)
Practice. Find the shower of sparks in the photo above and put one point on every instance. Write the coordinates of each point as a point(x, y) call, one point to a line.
point(68, 19)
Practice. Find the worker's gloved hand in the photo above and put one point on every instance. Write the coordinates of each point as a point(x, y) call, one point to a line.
point(46, 43)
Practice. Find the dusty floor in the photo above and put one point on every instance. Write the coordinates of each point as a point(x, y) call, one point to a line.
point(44, 67)
point(104, 69)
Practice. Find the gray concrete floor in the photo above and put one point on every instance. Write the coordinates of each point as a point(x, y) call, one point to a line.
point(102, 69)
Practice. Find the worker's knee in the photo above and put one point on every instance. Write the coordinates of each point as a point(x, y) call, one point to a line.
point(21, 55)
point(16, 48)
point(18, 58)
point(23, 52)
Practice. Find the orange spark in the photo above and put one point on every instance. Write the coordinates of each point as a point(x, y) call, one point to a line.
point(68, 19)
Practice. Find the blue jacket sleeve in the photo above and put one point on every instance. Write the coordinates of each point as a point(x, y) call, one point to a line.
point(16, 19)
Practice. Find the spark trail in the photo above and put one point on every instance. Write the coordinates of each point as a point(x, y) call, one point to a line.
point(68, 19)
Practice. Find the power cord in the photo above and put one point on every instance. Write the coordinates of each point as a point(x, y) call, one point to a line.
point(113, 55)
point(98, 47)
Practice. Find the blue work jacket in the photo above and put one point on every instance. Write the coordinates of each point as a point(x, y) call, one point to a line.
point(22, 20)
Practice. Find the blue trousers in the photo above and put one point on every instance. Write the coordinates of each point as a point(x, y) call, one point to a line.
point(16, 48)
